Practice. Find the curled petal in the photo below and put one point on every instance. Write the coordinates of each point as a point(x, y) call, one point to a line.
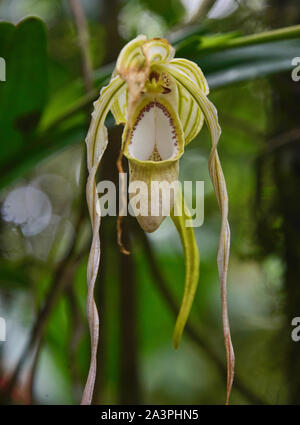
point(130, 55)
point(219, 184)
point(96, 141)
point(158, 50)
point(191, 264)
point(133, 67)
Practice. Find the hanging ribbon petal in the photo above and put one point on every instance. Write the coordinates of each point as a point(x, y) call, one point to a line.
point(218, 180)
point(96, 141)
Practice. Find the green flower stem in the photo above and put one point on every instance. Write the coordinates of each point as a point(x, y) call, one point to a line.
point(254, 39)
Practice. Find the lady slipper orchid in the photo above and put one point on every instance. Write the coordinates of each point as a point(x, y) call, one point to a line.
point(162, 101)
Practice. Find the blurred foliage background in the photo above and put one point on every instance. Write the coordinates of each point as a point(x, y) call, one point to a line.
point(58, 54)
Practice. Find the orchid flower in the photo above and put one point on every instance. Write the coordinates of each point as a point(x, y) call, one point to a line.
point(163, 103)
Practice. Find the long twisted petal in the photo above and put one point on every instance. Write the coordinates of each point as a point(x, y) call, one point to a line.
point(219, 184)
point(96, 141)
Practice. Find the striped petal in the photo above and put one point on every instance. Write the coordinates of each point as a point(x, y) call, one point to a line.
point(131, 55)
point(190, 115)
point(192, 71)
point(192, 262)
point(189, 112)
point(96, 141)
point(119, 108)
point(218, 180)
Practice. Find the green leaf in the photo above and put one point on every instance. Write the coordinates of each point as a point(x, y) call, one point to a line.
point(47, 145)
point(6, 32)
point(12, 275)
point(229, 58)
point(246, 63)
point(24, 93)
point(220, 42)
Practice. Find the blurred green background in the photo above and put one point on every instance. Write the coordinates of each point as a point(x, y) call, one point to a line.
point(45, 232)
